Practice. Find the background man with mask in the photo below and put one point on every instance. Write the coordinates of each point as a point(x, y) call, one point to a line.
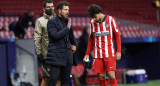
point(61, 45)
point(41, 38)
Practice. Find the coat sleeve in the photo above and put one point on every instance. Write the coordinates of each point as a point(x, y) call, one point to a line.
point(117, 35)
point(71, 37)
point(54, 33)
point(37, 37)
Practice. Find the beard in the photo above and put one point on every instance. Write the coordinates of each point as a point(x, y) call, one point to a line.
point(64, 16)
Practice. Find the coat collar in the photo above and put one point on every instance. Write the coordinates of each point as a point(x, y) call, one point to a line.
point(61, 18)
point(47, 16)
point(59, 21)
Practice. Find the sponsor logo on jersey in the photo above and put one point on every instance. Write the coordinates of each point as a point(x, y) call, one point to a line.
point(103, 33)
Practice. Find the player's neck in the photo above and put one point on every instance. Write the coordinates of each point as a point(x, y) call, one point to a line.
point(102, 16)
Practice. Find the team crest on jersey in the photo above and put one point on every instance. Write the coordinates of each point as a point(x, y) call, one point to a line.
point(106, 25)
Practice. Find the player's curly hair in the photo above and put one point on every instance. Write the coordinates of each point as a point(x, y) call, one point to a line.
point(93, 10)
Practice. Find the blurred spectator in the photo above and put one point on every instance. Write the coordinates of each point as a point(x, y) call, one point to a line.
point(23, 23)
point(2, 29)
point(83, 42)
point(12, 26)
point(82, 51)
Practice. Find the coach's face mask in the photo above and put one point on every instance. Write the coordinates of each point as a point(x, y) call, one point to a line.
point(49, 11)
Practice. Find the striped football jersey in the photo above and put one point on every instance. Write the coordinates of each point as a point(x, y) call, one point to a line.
point(101, 36)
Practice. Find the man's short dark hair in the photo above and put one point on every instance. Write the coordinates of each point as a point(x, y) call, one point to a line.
point(46, 1)
point(93, 10)
point(61, 4)
point(29, 11)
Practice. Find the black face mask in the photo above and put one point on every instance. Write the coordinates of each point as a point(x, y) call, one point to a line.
point(49, 11)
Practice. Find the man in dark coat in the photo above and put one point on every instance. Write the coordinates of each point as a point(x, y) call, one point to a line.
point(61, 45)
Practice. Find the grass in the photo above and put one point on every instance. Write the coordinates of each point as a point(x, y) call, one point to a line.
point(149, 83)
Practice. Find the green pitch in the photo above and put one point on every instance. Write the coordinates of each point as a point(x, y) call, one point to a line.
point(149, 83)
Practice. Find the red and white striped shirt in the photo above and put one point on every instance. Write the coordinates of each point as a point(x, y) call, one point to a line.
point(102, 36)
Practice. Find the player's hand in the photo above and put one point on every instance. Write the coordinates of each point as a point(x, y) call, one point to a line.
point(118, 56)
point(74, 48)
point(93, 33)
point(69, 23)
point(85, 57)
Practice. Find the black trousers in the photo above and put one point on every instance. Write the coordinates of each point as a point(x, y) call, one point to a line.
point(63, 71)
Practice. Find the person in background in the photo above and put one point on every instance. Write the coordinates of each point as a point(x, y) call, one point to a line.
point(82, 51)
point(41, 39)
point(23, 23)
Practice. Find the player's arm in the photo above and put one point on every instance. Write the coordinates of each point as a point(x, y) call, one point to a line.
point(90, 43)
point(117, 37)
point(37, 40)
